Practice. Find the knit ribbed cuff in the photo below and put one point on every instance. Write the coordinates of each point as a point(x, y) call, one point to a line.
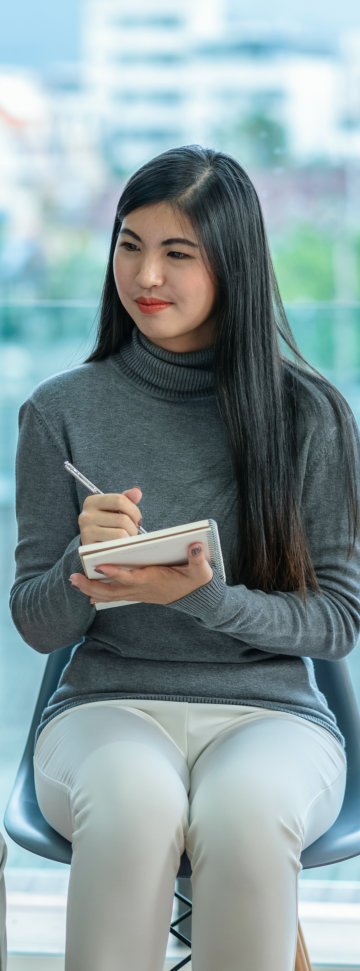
point(204, 602)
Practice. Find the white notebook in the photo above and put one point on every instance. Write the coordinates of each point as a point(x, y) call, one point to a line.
point(162, 547)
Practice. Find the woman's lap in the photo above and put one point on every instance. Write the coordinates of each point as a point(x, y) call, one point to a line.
point(241, 790)
point(265, 762)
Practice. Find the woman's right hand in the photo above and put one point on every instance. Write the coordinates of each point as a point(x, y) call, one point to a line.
point(110, 516)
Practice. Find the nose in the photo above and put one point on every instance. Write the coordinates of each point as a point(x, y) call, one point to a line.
point(150, 272)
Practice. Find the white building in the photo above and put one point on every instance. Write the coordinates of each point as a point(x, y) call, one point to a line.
point(166, 74)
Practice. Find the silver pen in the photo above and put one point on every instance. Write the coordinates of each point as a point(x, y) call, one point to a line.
point(89, 485)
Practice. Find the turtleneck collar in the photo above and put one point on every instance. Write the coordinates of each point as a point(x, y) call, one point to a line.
point(167, 374)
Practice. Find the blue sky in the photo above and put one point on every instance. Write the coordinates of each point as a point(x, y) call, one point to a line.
point(37, 33)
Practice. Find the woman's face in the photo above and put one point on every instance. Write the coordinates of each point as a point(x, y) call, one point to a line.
point(162, 280)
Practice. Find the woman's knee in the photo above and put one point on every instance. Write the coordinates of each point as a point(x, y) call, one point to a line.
point(243, 833)
point(102, 770)
point(129, 797)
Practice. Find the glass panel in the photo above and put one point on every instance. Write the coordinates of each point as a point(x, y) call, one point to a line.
point(36, 341)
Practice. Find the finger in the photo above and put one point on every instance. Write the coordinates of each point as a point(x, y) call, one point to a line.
point(198, 564)
point(135, 494)
point(102, 592)
point(113, 570)
point(91, 588)
point(115, 502)
point(79, 582)
point(110, 521)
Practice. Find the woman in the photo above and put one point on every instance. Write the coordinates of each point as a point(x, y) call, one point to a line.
point(189, 719)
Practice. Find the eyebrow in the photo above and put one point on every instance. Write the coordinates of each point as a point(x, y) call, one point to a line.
point(165, 242)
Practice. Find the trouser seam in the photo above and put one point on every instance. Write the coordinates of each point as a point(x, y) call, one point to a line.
point(319, 794)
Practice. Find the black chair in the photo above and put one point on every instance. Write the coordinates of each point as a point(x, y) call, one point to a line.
point(27, 827)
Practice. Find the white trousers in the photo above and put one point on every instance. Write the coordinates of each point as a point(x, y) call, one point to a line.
point(133, 783)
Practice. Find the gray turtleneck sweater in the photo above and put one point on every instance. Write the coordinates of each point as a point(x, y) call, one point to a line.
point(149, 417)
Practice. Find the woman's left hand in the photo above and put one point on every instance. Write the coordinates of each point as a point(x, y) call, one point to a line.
point(147, 584)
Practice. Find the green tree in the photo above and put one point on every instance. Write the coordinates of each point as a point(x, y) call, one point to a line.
point(256, 140)
point(75, 267)
point(303, 261)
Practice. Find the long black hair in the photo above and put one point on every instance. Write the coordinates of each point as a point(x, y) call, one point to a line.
point(255, 382)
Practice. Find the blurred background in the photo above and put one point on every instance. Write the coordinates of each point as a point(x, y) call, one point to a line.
point(91, 89)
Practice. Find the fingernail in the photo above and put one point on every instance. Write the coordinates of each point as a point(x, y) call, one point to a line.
point(97, 570)
point(140, 523)
point(196, 550)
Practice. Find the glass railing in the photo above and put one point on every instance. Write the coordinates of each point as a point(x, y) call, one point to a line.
point(39, 339)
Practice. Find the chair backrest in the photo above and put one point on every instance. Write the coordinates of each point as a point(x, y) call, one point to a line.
point(26, 825)
point(342, 840)
point(23, 820)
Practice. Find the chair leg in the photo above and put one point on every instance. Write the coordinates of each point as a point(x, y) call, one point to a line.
point(302, 962)
point(185, 916)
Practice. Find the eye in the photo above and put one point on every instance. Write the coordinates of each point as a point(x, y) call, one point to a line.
point(179, 256)
point(130, 247)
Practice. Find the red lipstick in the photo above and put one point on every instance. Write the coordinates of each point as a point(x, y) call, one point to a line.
point(151, 305)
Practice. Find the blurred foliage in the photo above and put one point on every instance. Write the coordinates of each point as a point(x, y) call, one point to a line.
point(303, 262)
point(75, 266)
point(262, 139)
point(258, 140)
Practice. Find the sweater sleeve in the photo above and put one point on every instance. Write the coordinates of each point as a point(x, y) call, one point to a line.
point(325, 625)
point(47, 611)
